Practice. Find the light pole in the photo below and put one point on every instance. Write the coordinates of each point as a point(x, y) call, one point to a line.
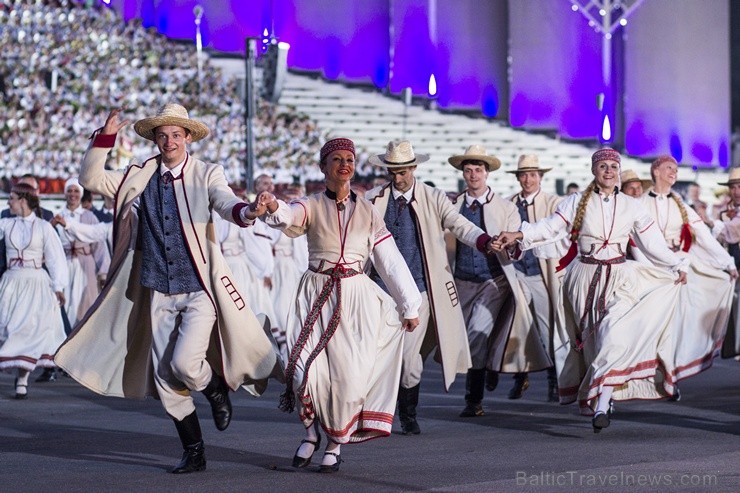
point(198, 12)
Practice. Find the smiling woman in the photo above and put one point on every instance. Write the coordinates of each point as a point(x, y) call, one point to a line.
point(611, 303)
point(345, 337)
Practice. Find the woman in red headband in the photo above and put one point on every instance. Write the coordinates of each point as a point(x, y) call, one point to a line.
point(617, 311)
point(345, 338)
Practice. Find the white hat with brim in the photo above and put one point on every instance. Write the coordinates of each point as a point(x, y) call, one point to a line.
point(733, 178)
point(629, 176)
point(529, 162)
point(398, 154)
point(475, 152)
point(171, 114)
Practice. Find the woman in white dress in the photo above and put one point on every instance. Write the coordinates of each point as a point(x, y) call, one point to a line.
point(345, 337)
point(618, 312)
point(87, 262)
point(704, 307)
point(31, 327)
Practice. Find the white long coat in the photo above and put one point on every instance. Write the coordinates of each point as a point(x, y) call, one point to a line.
point(110, 349)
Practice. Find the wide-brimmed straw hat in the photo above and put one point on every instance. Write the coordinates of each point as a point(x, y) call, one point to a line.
point(529, 162)
point(733, 178)
point(398, 154)
point(475, 152)
point(629, 175)
point(171, 114)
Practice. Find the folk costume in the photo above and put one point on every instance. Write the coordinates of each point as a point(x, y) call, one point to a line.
point(617, 311)
point(291, 262)
point(500, 327)
point(729, 236)
point(418, 220)
point(31, 327)
point(345, 339)
point(170, 319)
point(540, 281)
point(706, 300)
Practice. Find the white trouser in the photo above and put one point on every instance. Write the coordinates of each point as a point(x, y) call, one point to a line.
point(481, 304)
point(413, 364)
point(181, 331)
point(538, 299)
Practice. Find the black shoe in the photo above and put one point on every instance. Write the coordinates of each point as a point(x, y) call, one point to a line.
point(21, 390)
point(304, 461)
point(600, 421)
point(193, 460)
point(334, 467)
point(491, 380)
point(217, 393)
point(48, 375)
point(552, 393)
point(520, 385)
point(676, 395)
point(410, 426)
point(472, 410)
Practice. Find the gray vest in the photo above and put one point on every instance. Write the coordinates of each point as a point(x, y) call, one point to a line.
point(166, 264)
point(404, 230)
point(471, 264)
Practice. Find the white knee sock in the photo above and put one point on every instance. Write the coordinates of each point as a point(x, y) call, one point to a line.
point(604, 398)
point(306, 449)
point(23, 376)
point(328, 459)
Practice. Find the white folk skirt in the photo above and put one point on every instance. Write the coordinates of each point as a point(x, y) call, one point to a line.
point(31, 327)
point(252, 289)
point(352, 385)
point(701, 321)
point(631, 349)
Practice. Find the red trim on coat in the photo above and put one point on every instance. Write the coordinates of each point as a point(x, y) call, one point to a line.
point(382, 239)
point(481, 242)
point(236, 214)
point(104, 140)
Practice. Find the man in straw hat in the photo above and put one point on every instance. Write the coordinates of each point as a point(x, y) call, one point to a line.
point(537, 275)
point(705, 303)
point(632, 184)
point(170, 320)
point(500, 326)
point(728, 225)
point(417, 216)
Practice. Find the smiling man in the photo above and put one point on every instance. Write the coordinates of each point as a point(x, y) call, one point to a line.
point(537, 275)
point(417, 216)
point(501, 330)
point(170, 320)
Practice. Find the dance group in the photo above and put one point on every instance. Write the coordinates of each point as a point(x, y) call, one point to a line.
point(617, 297)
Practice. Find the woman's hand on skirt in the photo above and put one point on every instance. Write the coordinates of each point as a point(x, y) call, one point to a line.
point(60, 297)
point(409, 324)
point(682, 278)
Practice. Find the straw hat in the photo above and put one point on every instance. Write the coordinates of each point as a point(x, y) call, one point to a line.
point(475, 152)
point(398, 154)
point(529, 162)
point(628, 176)
point(733, 178)
point(171, 114)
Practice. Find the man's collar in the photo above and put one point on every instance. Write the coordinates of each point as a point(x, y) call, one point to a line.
point(176, 171)
point(408, 194)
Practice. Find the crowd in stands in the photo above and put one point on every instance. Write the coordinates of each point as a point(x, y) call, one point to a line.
point(64, 64)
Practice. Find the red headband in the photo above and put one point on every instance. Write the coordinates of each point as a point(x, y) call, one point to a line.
point(665, 158)
point(338, 144)
point(606, 154)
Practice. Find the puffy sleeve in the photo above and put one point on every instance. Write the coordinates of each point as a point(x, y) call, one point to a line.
point(706, 246)
point(549, 235)
point(392, 268)
point(54, 258)
point(652, 243)
point(291, 219)
point(89, 233)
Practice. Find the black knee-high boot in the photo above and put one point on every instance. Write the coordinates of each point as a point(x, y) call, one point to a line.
point(474, 384)
point(194, 456)
point(408, 399)
point(217, 393)
point(552, 385)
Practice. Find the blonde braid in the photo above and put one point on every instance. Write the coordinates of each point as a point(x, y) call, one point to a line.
point(581, 211)
point(682, 210)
